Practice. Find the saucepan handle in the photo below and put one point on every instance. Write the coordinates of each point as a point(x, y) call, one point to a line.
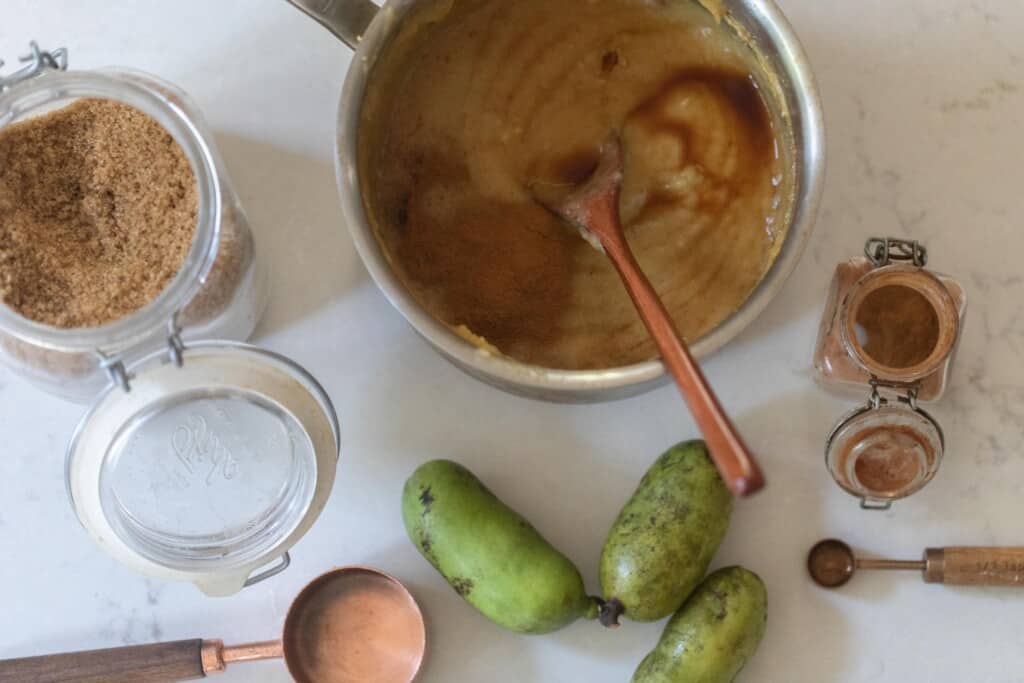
point(157, 663)
point(347, 19)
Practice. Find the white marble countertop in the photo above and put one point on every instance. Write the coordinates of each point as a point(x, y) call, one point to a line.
point(924, 103)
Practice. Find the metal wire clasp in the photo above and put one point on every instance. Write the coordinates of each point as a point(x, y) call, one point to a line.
point(36, 62)
point(119, 374)
point(910, 390)
point(116, 370)
point(175, 347)
point(283, 563)
point(882, 251)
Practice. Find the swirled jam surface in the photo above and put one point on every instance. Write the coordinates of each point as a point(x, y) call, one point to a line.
point(474, 100)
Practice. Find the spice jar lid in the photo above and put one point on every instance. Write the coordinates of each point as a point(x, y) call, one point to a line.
point(214, 462)
point(884, 451)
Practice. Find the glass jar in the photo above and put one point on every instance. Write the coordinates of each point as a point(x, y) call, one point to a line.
point(903, 352)
point(890, 327)
point(220, 289)
point(200, 459)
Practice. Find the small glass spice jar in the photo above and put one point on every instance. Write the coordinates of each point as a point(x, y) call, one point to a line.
point(891, 328)
point(218, 292)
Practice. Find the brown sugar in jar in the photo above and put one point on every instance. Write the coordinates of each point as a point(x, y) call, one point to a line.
point(120, 225)
point(99, 209)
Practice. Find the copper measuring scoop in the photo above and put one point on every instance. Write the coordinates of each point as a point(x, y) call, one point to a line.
point(351, 625)
point(831, 563)
point(593, 208)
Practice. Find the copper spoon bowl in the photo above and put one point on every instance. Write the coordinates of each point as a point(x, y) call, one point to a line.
point(350, 625)
point(593, 208)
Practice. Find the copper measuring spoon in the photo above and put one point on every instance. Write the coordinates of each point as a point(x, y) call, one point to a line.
point(593, 208)
point(831, 564)
point(350, 625)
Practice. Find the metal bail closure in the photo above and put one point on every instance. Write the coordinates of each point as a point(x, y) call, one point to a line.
point(116, 371)
point(283, 563)
point(885, 450)
point(119, 374)
point(36, 62)
point(175, 347)
point(882, 251)
point(910, 391)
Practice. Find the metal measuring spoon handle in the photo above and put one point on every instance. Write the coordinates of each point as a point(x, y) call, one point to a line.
point(831, 563)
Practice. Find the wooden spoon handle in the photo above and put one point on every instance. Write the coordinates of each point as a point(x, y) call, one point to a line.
point(737, 466)
point(175, 661)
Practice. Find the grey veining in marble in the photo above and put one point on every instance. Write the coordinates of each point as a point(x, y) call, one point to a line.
point(924, 103)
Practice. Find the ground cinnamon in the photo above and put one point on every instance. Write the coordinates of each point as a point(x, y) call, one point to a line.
point(899, 326)
point(889, 458)
point(98, 208)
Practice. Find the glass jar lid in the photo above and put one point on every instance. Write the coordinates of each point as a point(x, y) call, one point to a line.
point(884, 451)
point(205, 463)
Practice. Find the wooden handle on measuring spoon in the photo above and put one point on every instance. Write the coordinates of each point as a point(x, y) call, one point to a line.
point(157, 663)
point(975, 566)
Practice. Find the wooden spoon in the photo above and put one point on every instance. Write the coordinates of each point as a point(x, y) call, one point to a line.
point(593, 208)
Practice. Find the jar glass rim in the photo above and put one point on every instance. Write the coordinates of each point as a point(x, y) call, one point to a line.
point(53, 86)
point(921, 281)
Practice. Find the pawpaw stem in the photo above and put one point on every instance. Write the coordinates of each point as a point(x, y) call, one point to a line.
point(611, 610)
point(594, 606)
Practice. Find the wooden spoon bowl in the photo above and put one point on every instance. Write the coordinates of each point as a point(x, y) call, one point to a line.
point(593, 209)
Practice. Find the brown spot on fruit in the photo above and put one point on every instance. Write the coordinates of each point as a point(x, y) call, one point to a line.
point(427, 547)
point(462, 586)
point(723, 611)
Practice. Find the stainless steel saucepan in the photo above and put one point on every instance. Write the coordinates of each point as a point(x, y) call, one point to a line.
point(367, 29)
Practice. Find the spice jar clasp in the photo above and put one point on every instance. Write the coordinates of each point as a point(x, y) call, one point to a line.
point(36, 62)
point(882, 251)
